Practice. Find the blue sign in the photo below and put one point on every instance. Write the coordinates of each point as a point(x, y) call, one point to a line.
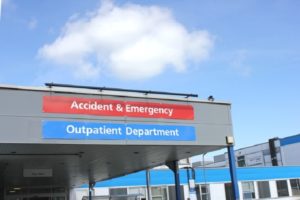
point(108, 131)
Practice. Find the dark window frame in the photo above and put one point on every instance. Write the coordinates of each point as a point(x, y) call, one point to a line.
point(295, 187)
point(248, 193)
point(284, 191)
point(262, 193)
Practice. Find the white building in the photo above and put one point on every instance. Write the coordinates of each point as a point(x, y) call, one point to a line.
point(275, 152)
point(211, 184)
point(258, 177)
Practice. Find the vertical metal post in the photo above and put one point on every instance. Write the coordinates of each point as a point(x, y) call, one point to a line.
point(177, 181)
point(90, 193)
point(174, 167)
point(191, 183)
point(91, 186)
point(149, 197)
point(232, 168)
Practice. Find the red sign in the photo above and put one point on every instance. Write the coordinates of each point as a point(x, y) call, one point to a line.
point(109, 107)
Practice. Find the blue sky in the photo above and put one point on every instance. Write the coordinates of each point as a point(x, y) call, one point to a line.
point(245, 52)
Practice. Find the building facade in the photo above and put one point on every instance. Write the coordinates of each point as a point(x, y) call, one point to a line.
point(211, 184)
point(275, 152)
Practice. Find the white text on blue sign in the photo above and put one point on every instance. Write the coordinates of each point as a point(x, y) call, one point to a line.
point(110, 131)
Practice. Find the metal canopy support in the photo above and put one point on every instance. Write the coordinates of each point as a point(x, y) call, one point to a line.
point(90, 193)
point(191, 182)
point(174, 167)
point(149, 196)
point(91, 186)
point(232, 168)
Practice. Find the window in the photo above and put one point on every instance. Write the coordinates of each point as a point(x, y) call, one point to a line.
point(159, 193)
point(241, 161)
point(141, 191)
point(228, 191)
point(204, 190)
point(58, 190)
point(295, 185)
point(58, 198)
point(248, 190)
point(263, 189)
point(172, 192)
point(282, 188)
point(117, 192)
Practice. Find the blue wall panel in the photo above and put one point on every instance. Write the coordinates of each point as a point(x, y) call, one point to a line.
point(290, 140)
point(164, 177)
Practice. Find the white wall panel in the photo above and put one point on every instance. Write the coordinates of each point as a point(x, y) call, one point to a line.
point(217, 191)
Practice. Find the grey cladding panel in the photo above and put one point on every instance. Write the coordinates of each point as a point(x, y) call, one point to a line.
point(21, 116)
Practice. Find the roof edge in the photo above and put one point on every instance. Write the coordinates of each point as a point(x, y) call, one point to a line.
point(107, 93)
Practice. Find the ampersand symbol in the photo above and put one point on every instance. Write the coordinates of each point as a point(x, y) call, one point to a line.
point(119, 108)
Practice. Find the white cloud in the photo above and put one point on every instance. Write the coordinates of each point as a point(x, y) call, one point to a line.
point(131, 42)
